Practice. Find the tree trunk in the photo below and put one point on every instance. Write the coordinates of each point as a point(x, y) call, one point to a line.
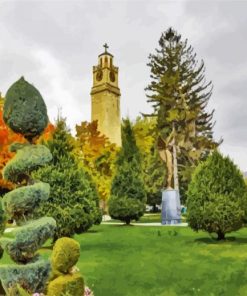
point(175, 161)
point(221, 235)
point(127, 221)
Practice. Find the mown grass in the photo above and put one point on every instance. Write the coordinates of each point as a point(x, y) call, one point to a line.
point(161, 261)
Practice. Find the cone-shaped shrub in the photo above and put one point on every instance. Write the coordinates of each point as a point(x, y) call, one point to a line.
point(73, 200)
point(128, 196)
point(216, 195)
point(25, 112)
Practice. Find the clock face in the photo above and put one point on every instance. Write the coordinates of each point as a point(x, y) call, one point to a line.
point(112, 76)
point(99, 75)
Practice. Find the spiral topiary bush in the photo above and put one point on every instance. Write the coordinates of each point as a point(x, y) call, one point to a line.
point(25, 112)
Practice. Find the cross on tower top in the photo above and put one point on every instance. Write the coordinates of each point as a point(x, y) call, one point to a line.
point(105, 46)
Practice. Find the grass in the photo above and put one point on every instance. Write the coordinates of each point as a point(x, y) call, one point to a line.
point(161, 261)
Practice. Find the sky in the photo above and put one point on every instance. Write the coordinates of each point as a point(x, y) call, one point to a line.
point(54, 45)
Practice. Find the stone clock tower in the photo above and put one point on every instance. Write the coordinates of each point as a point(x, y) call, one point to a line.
point(105, 97)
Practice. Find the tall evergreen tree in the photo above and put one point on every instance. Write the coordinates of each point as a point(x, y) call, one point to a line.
point(128, 196)
point(73, 200)
point(179, 95)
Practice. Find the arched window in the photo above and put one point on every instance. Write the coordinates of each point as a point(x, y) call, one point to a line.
point(111, 62)
point(106, 61)
point(101, 62)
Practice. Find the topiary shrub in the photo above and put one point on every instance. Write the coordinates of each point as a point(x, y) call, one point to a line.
point(217, 199)
point(65, 281)
point(25, 110)
point(25, 113)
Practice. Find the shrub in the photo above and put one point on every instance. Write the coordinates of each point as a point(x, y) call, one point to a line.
point(69, 284)
point(128, 196)
point(20, 203)
point(25, 112)
point(65, 255)
point(65, 281)
point(73, 201)
point(217, 197)
point(24, 109)
point(32, 276)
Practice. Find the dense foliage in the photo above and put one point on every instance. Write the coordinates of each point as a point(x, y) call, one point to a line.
point(217, 199)
point(73, 201)
point(65, 280)
point(153, 169)
point(128, 196)
point(179, 95)
point(97, 156)
point(25, 110)
point(23, 242)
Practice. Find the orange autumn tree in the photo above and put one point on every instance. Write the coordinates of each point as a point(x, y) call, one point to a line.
point(8, 137)
point(98, 157)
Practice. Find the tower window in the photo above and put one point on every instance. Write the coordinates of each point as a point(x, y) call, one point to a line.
point(111, 62)
point(101, 62)
point(106, 61)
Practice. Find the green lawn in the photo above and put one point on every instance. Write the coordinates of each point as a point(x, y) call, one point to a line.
point(162, 261)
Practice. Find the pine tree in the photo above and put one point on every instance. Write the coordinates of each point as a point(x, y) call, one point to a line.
point(73, 200)
point(128, 196)
point(217, 199)
point(179, 95)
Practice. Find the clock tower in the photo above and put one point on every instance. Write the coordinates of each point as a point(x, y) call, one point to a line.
point(105, 97)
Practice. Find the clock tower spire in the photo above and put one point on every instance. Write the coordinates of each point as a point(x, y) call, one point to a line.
point(105, 97)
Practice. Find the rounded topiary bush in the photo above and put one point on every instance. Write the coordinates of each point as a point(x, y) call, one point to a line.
point(65, 278)
point(65, 255)
point(25, 110)
point(217, 197)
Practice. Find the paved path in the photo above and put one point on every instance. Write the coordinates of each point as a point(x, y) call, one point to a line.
point(146, 224)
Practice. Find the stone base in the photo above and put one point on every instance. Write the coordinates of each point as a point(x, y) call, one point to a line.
point(171, 209)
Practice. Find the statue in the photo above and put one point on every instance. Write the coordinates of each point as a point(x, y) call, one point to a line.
point(165, 152)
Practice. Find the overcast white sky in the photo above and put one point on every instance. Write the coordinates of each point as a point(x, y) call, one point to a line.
point(54, 44)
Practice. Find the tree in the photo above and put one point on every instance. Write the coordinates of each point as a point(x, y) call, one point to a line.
point(98, 157)
point(128, 196)
point(73, 201)
point(153, 169)
point(179, 95)
point(25, 112)
point(217, 199)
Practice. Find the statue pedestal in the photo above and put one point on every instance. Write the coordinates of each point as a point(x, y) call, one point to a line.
point(171, 209)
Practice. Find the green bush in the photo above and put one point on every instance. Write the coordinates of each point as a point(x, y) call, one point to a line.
point(26, 160)
point(128, 195)
point(65, 281)
point(73, 200)
point(25, 110)
point(217, 197)
point(32, 277)
point(19, 204)
point(69, 284)
point(65, 254)
point(28, 238)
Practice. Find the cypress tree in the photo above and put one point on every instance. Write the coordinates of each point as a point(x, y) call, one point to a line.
point(128, 196)
point(179, 95)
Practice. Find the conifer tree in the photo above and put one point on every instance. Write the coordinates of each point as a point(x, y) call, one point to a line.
point(73, 200)
point(217, 199)
point(128, 196)
point(179, 95)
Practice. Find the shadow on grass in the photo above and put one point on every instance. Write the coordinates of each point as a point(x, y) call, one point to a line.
point(230, 239)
